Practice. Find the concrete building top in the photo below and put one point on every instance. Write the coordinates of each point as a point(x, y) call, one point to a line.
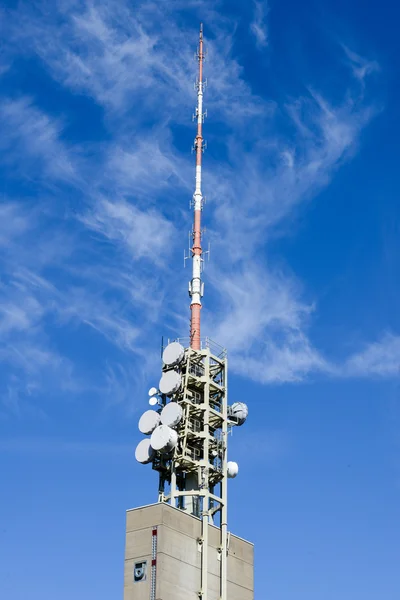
point(172, 508)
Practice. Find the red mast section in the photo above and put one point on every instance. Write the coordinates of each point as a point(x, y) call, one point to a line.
point(196, 286)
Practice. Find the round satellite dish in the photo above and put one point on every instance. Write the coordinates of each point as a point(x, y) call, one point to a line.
point(232, 469)
point(173, 354)
point(153, 391)
point(164, 439)
point(144, 453)
point(153, 401)
point(171, 414)
point(239, 411)
point(149, 421)
point(170, 382)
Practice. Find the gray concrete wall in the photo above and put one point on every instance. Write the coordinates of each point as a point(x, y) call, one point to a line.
point(179, 557)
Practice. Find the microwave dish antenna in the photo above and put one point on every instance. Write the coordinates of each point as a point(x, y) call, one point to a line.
point(164, 439)
point(144, 453)
point(149, 421)
point(170, 382)
point(172, 414)
point(173, 354)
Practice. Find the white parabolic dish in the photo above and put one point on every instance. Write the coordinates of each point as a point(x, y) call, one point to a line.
point(173, 354)
point(149, 421)
point(171, 414)
point(164, 439)
point(153, 391)
point(232, 469)
point(170, 382)
point(144, 453)
point(240, 411)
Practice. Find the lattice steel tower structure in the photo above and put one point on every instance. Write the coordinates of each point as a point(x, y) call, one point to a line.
point(187, 444)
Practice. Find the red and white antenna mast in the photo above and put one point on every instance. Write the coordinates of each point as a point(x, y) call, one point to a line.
point(196, 286)
point(189, 429)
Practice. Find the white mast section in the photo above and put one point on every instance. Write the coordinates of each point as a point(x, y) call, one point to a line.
point(196, 286)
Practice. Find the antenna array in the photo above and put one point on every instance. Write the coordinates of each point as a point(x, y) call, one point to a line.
point(188, 443)
point(187, 428)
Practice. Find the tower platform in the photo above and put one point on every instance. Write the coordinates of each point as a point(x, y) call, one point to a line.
point(163, 558)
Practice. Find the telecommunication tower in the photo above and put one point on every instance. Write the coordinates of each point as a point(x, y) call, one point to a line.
point(186, 441)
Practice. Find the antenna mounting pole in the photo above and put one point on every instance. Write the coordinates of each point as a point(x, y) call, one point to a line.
point(196, 285)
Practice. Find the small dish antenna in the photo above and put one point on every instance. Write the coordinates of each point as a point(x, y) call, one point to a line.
point(239, 412)
point(232, 469)
point(153, 391)
point(153, 401)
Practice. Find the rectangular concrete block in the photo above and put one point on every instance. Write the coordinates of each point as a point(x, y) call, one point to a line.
point(176, 580)
point(240, 572)
point(214, 562)
point(181, 546)
point(138, 543)
point(181, 521)
point(237, 592)
point(241, 549)
point(214, 536)
point(145, 516)
point(178, 561)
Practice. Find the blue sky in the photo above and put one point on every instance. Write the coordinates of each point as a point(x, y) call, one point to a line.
point(302, 287)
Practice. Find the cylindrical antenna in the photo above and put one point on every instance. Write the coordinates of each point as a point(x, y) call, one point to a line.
point(196, 285)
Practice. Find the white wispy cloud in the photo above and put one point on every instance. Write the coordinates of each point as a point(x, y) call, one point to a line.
point(13, 224)
point(33, 303)
point(5, 58)
point(138, 63)
point(361, 66)
point(144, 169)
point(258, 26)
point(109, 263)
point(262, 315)
point(255, 299)
point(146, 234)
point(263, 323)
point(55, 445)
point(380, 358)
point(106, 50)
point(27, 131)
point(29, 360)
